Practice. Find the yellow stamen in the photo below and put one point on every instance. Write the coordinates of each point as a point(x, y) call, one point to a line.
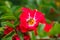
point(31, 21)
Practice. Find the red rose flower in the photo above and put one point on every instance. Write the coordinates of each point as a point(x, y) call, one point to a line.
point(15, 37)
point(22, 29)
point(26, 37)
point(30, 19)
point(7, 30)
point(48, 27)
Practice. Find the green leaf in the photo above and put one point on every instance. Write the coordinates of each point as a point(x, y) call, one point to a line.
point(9, 36)
point(48, 21)
point(55, 29)
point(7, 23)
point(7, 16)
point(20, 35)
point(40, 27)
point(5, 9)
point(40, 30)
point(31, 4)
point(16, 10)
point(1, 30)
point(32, 35)
point(8, 4)
point(16, 23)
point(38, 2)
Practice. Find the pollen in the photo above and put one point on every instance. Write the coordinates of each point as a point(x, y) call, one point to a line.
point(31, 21)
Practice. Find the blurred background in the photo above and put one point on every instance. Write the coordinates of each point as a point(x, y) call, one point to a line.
point(51, 8)
point(10, 9)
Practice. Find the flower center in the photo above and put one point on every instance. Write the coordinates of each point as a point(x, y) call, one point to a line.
point(31, 21)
